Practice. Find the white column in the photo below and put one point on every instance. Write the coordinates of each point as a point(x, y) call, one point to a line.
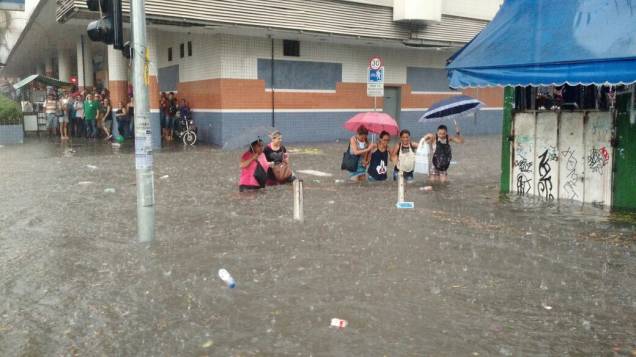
point(48, 66)
point(84, 63)
point(63, 65)
point(117, 65)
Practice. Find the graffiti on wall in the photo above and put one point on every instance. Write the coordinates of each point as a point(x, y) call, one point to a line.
point(545, 178)
point(571, 176)
point(524, 178)
point(598, 159)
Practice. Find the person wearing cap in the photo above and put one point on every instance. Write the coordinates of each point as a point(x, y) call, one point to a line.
point(50, 108)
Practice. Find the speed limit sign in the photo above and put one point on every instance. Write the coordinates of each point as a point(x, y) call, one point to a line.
point(375, 62)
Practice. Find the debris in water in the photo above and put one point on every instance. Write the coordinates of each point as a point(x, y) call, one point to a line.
point(116, 145)
point(426, 188)
point(164, 177)
point(316, 181)
point(339, 181)
point(208, 344)
point(109, 190)
point(339, 323)
point(84, 183)
point(227, 278)
point(92, 167)
point(331, 202)
point(315, 173)
point(547, 307)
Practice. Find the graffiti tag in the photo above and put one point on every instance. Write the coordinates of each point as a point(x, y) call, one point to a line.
point(523, 185)
point(569, 187)
point(523, 164)
point(545, 180)
point(598, 159)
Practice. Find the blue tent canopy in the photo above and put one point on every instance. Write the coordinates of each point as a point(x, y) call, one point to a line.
point(548, 42)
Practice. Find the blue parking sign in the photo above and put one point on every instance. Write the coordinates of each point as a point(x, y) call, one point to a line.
point(376, 75)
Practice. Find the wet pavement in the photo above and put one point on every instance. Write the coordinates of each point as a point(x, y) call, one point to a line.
point(467, 272)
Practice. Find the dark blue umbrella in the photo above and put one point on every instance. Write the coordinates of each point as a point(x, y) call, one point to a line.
point(452, 108)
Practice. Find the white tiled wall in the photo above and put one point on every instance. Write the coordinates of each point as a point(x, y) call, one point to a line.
point(230, 56)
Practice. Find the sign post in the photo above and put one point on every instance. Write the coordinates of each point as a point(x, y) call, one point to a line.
point(375, 79)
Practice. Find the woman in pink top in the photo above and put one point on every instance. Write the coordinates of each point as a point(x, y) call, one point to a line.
point(254, 168)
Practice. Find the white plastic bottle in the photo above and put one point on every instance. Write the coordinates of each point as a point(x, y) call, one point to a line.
point(227, 278)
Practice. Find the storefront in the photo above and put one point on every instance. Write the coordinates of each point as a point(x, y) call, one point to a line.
point(579, 148)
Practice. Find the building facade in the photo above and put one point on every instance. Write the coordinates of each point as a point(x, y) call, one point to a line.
point(298, 65)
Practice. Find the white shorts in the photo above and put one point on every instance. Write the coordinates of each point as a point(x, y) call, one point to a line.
point(63, 119)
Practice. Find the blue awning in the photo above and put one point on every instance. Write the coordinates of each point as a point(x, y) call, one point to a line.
point(551, 42)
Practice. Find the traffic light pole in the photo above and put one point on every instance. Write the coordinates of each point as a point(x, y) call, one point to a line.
point(143, 131)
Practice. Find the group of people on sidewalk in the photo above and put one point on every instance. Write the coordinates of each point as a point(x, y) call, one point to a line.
point(170, 111)
point(262, 165)
point(88, 115)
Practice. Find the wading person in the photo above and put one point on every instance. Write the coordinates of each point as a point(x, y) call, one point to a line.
point(403, 154)
point(359, 146)
point(276, 155)
point(163, 114)
point(254, 168)
point(171, 116)
point(442, 153)
point(379, 159)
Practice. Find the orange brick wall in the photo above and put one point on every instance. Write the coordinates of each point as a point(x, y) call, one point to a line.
point(251, 94)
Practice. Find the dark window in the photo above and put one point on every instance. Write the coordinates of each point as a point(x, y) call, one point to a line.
point(189, 48)
point(291, 48)
point(181, 50)
point(169, 54)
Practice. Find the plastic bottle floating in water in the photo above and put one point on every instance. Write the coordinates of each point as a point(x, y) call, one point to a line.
point(227, 278)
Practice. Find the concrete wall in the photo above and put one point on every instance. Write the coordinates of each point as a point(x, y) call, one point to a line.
point(563, 156)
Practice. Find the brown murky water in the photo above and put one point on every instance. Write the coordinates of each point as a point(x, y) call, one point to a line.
point(467, 272)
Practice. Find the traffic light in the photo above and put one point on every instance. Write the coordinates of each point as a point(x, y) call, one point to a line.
point(108, 29)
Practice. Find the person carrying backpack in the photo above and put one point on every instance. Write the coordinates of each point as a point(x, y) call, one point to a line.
point(442, 154)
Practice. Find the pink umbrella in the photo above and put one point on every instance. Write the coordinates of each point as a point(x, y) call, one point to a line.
point(375, 122)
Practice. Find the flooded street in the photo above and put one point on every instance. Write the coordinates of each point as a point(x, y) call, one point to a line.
point(467, 272)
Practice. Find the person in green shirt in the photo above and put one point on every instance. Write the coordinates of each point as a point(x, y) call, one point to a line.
point(90, 114)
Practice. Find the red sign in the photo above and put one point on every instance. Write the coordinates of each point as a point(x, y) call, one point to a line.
point(73, 79)
point(376, 62)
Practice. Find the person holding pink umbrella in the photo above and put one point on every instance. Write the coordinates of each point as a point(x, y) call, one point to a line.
point(359, 146)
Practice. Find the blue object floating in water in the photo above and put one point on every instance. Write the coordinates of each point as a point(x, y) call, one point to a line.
point(405, 205)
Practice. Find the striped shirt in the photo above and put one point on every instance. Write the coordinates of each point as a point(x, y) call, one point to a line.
point(50, 106)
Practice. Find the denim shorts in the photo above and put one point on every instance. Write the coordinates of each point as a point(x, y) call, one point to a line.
point(51, 118)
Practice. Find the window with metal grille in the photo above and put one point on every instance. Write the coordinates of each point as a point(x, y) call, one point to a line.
point(169, 54)
point(182, 50)
point(189, 48)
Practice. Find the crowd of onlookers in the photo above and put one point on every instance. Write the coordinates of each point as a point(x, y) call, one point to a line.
point(88, 115)
point(91, 115)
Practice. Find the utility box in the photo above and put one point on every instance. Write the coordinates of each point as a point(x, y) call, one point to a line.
point(419, 11)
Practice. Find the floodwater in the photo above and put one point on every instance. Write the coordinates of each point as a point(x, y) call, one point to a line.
point(467, 272)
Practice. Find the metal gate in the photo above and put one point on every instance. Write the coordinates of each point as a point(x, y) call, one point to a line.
point(563, 156)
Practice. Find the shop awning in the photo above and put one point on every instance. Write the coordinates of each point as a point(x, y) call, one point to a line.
point(41, 79)
point(548, 42)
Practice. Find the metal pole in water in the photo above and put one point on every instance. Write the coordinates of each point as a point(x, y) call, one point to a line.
point(298, 200)
point(143, 132)
point(400, 187)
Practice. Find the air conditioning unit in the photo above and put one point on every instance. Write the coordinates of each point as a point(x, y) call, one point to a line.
point(419, 11)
